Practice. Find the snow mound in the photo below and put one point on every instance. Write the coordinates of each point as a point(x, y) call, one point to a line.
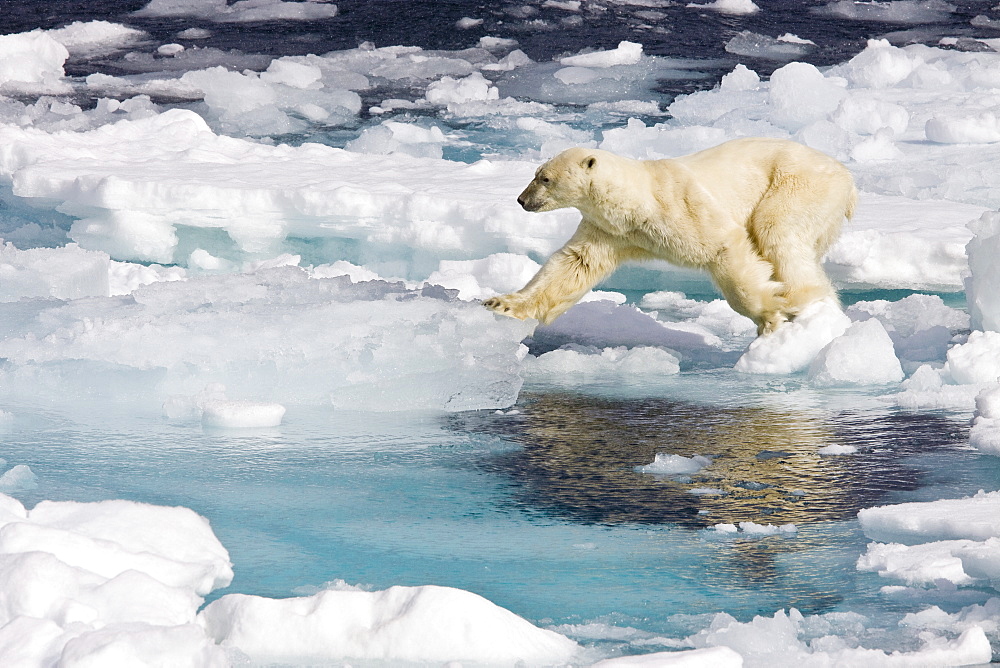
point(793, 346)
point(111, 582)
point(415, 624)
point(863, 355)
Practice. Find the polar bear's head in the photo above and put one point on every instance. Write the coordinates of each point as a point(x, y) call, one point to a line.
point(563, 181)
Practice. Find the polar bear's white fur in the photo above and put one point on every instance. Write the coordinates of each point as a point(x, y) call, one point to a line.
point(757, 214)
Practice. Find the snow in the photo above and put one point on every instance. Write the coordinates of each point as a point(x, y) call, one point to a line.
point(418, 624)
point(88, 583)
point(863, 355)
point(31, 61)
point(793, 346)
point(121, 583)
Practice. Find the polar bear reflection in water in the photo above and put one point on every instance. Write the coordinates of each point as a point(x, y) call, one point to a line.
point(757, 214)
point(580, 455)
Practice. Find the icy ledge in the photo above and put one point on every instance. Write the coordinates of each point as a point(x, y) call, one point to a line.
point(275, 335)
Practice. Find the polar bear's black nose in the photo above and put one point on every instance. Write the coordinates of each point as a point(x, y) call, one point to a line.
point(520, 200)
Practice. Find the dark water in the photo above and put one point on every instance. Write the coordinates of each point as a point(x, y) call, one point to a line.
point(579, 457)
point(543, 32)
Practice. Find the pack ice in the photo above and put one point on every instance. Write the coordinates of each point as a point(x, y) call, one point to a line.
point(163, 254)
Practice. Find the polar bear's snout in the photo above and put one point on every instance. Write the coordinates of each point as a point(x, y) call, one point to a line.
point(529, 199)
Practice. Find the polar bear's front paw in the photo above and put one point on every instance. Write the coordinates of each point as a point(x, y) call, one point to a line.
point(512, 305)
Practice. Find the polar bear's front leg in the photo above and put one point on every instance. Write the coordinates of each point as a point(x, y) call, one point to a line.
point(573, 270)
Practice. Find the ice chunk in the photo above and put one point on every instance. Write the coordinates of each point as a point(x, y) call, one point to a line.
point(136, 645)
point(868, 115)
point(918, 564)
point(664, 464)
point(921, 326)
point(604, 324)
point(18, 479)
point(68, 272)
point(280, 335)
point(628, 365)
point(173, 545)
point(96, 38)
point(985, 432)
point(977, 360)
point(881, 65)
point(800, 94)
point(400, 624)
point(926, 388)
point(242, 414)
point(475, 87)
point(863, 355)
point(751, 530)
point(165, 177)
point(981, 128)
point(973, 518)
point(754, 529)
point(982, 288)
point(393, 138)
point(32, 61)
point(499, 273)
point(894, 242)
point(241, 11)
point(747, 43)
point(782, 640)
point(793, 346)
point(707, 491)
point(740, 7)
point(837, 449)
point(106, 583)
point(627, 53)
point(893, 11)
point(716, 657)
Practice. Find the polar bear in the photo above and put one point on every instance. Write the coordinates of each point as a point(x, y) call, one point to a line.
point(758, 214)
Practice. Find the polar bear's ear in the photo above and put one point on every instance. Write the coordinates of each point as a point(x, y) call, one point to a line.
point(589, 161)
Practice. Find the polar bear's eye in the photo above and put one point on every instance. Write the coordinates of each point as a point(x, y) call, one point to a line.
point(545, 179)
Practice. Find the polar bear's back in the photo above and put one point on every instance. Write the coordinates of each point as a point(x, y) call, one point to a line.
point(741, 171)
